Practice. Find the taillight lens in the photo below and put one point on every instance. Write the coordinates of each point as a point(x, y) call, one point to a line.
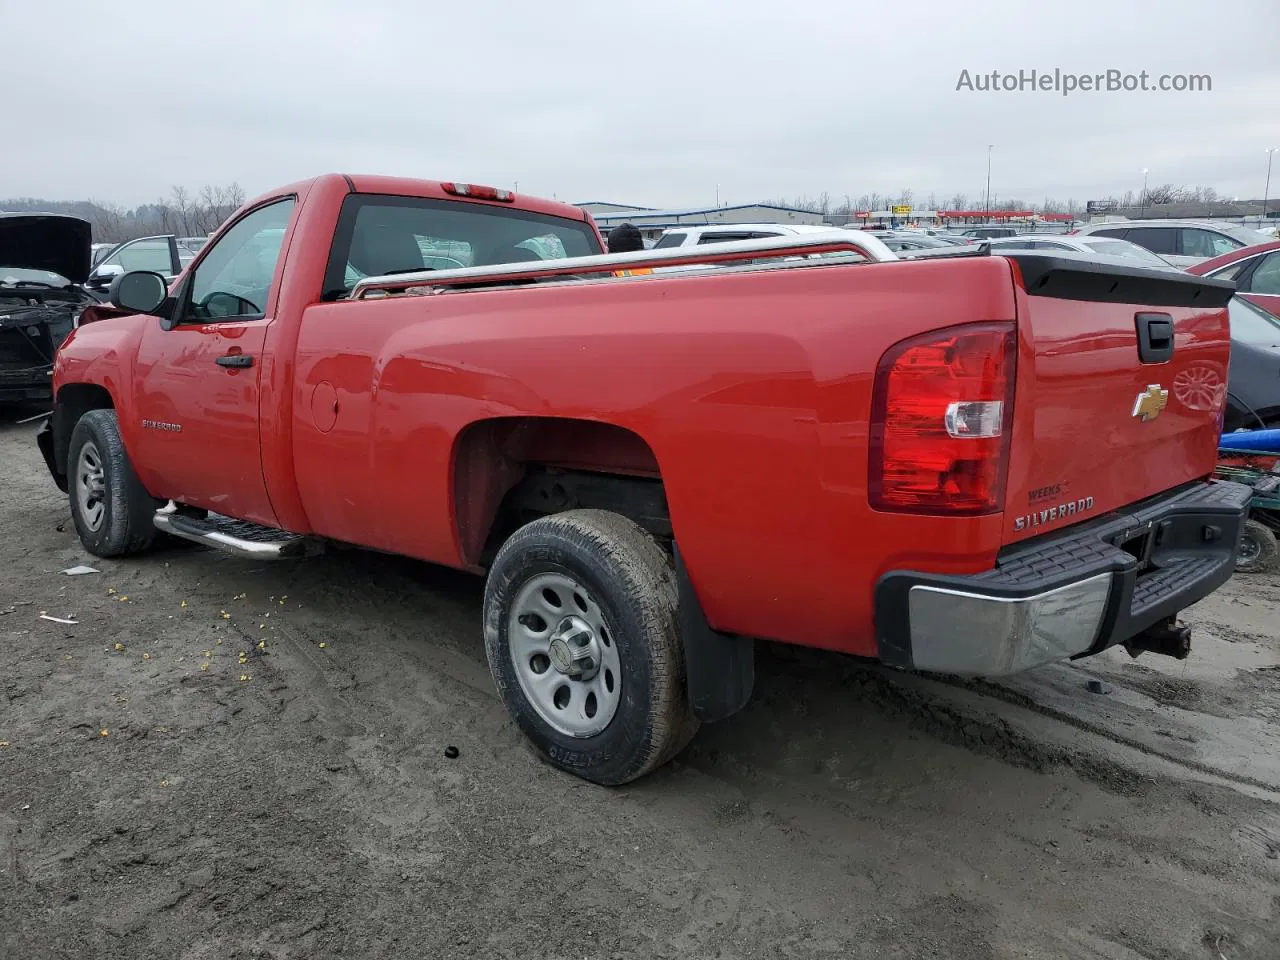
point(940, 421)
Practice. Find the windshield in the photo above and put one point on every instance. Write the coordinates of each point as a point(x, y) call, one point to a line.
point(1125, 249)
point(1250, 324)
point(16, 276)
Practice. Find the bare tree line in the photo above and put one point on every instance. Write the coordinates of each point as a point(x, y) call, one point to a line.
point(826, 205)
point(184, 212)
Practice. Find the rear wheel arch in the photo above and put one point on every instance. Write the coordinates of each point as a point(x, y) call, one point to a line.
point(509, 471)
point(495, 458)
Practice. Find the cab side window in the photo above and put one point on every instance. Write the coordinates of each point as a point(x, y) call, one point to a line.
point(148, 254)
point(1204, 243)
point(1155, 239)
point(233, 281)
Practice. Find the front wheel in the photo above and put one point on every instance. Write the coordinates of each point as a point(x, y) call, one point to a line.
point(113, 513)
point(581, 635)
point(1259, 551)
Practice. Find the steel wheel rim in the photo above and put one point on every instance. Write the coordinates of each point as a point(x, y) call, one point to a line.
point(91, 486)
point(565, 655)
point(1250, 549)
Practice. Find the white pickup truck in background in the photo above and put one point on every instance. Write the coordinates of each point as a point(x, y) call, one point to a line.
point(707, 234)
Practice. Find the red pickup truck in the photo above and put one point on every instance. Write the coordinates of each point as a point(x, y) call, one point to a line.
point(971, 464)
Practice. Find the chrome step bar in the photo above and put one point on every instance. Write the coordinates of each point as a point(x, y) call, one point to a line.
point(237, 537)
point(838, 240)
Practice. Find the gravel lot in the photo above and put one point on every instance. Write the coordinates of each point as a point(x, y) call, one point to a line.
point(158, 798)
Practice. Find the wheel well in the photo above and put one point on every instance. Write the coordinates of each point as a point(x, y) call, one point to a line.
point(510, 470)
point(73, 402)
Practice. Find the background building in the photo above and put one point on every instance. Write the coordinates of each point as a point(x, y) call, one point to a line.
point(652, 222)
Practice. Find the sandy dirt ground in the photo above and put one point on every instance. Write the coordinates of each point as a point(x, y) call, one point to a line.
point(160, 798)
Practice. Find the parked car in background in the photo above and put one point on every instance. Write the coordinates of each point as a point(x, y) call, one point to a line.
point(1253, 384)
point(989, 233)
point(1255, 270)
point(728, 232)
point(43, 260)
point(1096, 246)
point(162, 254)
point(1181, 242)
point(899, 241)
point(681, 237)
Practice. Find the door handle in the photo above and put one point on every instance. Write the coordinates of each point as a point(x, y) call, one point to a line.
point(234, 360)
point(1155, 337)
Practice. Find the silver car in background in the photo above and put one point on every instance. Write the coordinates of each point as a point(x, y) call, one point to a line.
point(1088, 245)
point(1181, 242)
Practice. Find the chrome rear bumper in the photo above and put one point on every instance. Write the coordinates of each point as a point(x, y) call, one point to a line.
point(1068, 594)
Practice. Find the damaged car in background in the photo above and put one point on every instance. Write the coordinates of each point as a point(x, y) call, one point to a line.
point(44, 259)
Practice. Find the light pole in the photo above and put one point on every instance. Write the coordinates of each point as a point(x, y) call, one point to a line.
point(1142, 201)
point(988, 202)
point(1266, 191)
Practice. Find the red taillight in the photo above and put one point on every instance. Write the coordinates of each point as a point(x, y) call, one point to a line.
point(478, 192)
point(940, 421)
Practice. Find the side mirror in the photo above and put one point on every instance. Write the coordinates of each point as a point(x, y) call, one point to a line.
point(140, 291)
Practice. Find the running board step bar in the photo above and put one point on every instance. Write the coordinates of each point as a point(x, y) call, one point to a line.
point(238, 537)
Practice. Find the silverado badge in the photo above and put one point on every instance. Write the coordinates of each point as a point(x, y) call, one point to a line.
point(1150, 402)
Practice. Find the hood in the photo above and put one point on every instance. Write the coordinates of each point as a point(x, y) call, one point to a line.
point(46, 241)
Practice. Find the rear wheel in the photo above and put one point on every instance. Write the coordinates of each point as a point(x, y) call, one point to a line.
point(112, 511)
point(1259, 551)
point(581, 634)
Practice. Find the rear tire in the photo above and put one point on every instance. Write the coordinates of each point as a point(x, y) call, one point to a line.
point(581, 634)
point(113, 513)
point(1259, 551)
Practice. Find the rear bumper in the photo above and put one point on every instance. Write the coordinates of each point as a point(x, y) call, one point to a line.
point(1069, 594)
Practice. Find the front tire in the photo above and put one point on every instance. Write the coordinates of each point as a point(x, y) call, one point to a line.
point(112, 511)
point(581, 635)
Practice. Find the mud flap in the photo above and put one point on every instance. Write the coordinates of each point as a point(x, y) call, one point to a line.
point(720, 668)
point(44, 440)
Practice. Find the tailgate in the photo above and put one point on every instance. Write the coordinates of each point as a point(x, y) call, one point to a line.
point(1123, 395)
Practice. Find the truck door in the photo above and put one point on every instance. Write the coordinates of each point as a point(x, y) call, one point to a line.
point(197, 384)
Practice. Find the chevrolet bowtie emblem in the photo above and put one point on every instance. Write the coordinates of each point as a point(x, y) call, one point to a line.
point(1150, 402)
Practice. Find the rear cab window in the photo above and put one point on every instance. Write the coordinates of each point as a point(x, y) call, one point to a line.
point(380, 234)
point(670, 240)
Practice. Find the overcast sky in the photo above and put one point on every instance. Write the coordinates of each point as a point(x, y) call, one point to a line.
point(654, 103)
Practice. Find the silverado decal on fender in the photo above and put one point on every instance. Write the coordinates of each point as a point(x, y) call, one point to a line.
point(161, 425)
point(1050, 514)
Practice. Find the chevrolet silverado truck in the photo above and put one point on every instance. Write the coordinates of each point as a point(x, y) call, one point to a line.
point(969, 465)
